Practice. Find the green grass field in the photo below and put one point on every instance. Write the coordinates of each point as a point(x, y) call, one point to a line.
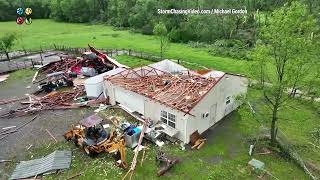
point(225, 157)
point(216, 160)
point(45, 33)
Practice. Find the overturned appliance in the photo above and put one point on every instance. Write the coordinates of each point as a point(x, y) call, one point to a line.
point(131, 135)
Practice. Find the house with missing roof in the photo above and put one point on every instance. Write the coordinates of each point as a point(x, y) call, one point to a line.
point(184, 101)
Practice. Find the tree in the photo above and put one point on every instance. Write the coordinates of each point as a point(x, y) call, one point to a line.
point(6, 43)
point(161, 31)
point(284, 56)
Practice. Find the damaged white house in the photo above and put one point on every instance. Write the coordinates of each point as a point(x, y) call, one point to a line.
point(184, 101)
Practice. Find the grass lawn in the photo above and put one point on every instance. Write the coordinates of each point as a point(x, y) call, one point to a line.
point(47, 32)
point(132, 61)
point(216, 160)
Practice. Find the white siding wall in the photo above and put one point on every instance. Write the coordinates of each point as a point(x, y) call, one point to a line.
point(214, 103)
point(154, 109)
point(129, 99)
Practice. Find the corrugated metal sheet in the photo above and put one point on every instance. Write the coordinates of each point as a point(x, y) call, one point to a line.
point(54, 161)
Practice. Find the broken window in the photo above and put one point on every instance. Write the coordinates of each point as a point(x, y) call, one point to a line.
point(168, 118)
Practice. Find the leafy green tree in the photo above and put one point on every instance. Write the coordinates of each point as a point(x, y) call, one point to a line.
point(161, 31)
point(5, 14)
point(7, 43)
point(75, 10)
point(56, 10)
point(284, 55)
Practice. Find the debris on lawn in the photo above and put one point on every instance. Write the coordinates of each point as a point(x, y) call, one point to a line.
point(9, 127)
point(52, 101)
point(256, 164)
point(131, 135)
point(18, 128)
point(165, 162)
point(91, 136)
point(55, 161)
point(196, 140)
point(35, 76)
point(29, 146)
point(7, 101)
point(251, 149)
point(134, 160)
point(89, 64)
point(259, 167)
point(4, 77)
point(51, 136)
point(54, 81)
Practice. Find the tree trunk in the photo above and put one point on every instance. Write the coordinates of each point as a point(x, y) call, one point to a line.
point(273, 129)
point(7, 54)
point(273, 133)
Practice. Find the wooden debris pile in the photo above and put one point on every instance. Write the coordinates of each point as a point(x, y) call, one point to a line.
point(62, 65)
point(196, 140)
point(52, 101)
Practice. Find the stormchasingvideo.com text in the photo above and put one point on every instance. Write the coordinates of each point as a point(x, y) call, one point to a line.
point(201, 11)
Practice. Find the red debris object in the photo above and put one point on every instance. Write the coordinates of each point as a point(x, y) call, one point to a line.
point(92, 59)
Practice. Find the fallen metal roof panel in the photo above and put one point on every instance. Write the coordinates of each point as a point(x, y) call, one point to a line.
point(54, 161)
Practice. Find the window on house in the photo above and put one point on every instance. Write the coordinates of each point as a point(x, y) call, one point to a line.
point(168, 118)
point(228, 100)
point(205, 115)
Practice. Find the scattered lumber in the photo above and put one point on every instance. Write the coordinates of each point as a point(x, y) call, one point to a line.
point(196, 140)
point(7, 101)
point(35, 76)
point(16, 129)
point(52, 101)
point(51, 136)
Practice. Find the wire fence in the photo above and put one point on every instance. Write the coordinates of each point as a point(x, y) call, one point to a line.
point(17, 62)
